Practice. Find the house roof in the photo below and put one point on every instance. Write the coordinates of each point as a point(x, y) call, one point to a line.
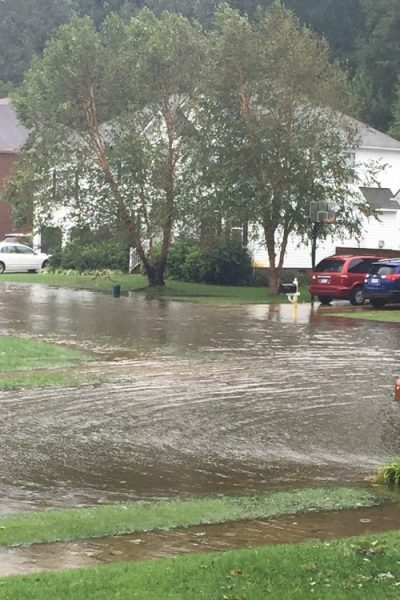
point(372, 138)
point(380, 198)
point(13, 135)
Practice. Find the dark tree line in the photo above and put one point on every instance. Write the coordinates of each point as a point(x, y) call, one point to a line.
point(362, 34)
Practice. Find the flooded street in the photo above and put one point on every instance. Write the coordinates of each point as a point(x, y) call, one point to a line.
point(203, 399)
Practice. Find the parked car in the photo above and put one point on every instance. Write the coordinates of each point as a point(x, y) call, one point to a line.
point(341, 278)
point(18, 257)
point(382, 285)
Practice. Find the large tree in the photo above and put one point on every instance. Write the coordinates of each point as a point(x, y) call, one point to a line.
point(378, 60)
point(114, 108)
point(275, 132)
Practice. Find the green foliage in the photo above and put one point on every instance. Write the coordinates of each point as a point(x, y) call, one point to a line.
point(389, 473)
point(274, 149)
point(225, 262)
point(95, 255)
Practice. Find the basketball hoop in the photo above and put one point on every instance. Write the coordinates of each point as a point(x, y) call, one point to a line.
point(322, 212)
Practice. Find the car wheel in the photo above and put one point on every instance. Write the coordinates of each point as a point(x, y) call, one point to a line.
point(377, 302)
point(2, 267)
point(45, 264)
point(357, 296)
point(32, 271)
point(325, 299)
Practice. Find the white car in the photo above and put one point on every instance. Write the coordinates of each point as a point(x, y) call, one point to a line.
point(16, 257)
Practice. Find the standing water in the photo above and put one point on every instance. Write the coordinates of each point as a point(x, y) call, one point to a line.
point(203, 399)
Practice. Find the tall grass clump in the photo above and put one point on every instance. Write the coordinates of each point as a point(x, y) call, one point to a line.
point(389, 473)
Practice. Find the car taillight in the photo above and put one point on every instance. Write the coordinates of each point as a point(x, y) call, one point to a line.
point(393, 277)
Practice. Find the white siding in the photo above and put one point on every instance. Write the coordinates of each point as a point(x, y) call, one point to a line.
point(387, 229)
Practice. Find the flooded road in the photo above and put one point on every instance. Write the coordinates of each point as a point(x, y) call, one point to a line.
point(203, 399)
point(203, 538)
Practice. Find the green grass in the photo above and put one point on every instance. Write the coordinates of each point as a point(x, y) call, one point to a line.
point(365, 568)
point(389, 473)
point(31, 363)
point(387, 316)
point(173, 290)
point(50, 525)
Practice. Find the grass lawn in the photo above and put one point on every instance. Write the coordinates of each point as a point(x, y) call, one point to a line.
point(365, 568)
point(384, 315)
point(174, 290)
point(31, 363)
point(70, 524)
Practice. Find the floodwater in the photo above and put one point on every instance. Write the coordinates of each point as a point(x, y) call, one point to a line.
point(203, 399)
point(203, 538)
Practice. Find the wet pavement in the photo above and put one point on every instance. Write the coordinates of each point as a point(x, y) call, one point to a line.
point(203, 538)
point(203, 399)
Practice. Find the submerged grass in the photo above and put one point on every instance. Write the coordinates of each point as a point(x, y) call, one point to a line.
point(365, 568)
point(173, 290)
point(31, 363)
point(70, 524)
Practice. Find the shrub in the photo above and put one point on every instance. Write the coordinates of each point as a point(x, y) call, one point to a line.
point(225, 262)
point(105, 254)
point(177, 256)
point(389, 473)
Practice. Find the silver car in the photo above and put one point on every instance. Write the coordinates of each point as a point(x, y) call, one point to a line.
point(16, 257)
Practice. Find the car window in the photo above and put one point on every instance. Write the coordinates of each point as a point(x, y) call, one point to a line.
point(8, 249)
point(329, 265)
point(379, 269)
point(359, 265)
point(24, 250)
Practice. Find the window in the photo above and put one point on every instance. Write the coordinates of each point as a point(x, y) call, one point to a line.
point(24, 250)
point(329, 266)
point(359, 265)
point(383, 269)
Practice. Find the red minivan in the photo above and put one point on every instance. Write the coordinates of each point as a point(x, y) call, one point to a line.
point(341, 278)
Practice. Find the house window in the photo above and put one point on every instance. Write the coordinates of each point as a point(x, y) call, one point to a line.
point(350, 160)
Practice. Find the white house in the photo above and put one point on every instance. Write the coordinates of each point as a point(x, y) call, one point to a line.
point(384, 233)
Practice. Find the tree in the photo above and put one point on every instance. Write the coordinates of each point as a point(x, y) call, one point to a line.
point(379, 60)
point(273, 117)
point(24, 29)
point(115, 109)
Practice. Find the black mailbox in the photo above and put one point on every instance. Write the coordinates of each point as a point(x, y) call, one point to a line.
point(287, 288)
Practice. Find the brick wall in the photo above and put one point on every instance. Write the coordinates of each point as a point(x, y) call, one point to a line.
point(384, 252)
point(7, 160)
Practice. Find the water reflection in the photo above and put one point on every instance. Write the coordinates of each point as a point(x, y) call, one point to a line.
point(203, 399)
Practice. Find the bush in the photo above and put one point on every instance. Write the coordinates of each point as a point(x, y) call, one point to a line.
point(105, 254)
point(225, 262)
point(389, 473)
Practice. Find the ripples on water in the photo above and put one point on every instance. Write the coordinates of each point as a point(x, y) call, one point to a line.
point(204, 399)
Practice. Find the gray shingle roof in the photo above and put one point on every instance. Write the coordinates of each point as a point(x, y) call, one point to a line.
point(13, 135)
point(372, 138)
point(380, 198)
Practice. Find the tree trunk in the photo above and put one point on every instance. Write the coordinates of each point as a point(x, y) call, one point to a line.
point(155, 274)
point(274, 280)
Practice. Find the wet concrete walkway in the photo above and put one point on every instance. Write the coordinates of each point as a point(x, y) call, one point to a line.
point(204, 538)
